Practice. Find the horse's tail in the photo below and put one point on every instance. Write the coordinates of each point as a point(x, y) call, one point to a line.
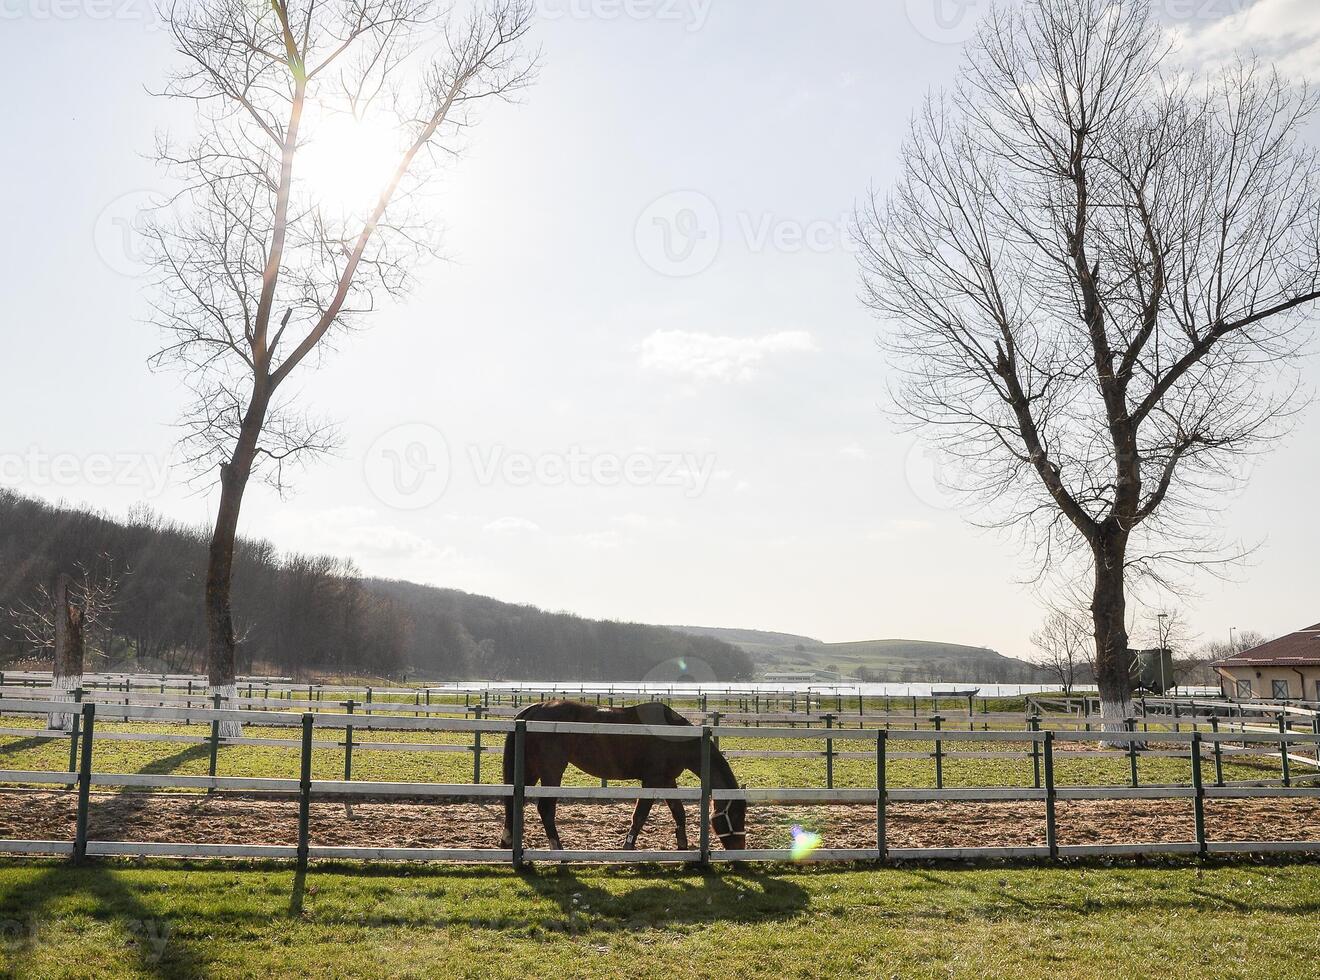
point(509, 761)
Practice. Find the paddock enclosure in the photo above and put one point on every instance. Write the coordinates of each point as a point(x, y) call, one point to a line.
point(409, 774)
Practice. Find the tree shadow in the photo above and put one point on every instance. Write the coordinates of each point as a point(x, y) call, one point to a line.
point(169, 764)
point(157, 948)
point(18, 745)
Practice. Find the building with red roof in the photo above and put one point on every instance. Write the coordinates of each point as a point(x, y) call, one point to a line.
point(1284, 669)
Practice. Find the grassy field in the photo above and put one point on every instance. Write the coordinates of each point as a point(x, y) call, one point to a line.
point(1162, 920)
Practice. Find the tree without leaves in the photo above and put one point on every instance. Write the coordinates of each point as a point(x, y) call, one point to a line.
point(58, 622)
point(258, 272)
point(1063, 641)
point(1096, 270)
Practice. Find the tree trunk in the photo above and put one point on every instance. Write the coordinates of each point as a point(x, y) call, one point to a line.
point(220, 643)
point(1113, 658)
point(67, 675)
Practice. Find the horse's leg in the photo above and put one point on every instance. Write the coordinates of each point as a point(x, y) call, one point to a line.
point(680, 818)
point(640, 813)
point(546, 807)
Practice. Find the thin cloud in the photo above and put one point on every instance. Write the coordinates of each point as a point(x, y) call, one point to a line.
point(708, 357)
point(1284, 32)
point(512, 525)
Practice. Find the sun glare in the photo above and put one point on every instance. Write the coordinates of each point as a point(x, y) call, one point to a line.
point(346, 162)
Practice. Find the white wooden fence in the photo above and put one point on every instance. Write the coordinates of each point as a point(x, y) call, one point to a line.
point(1039, 747)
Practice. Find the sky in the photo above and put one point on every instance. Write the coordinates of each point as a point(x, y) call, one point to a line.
point(640, 385)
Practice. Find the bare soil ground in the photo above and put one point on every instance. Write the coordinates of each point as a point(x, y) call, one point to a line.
point(164, 817)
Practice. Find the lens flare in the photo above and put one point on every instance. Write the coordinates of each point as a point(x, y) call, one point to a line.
point(805, 844)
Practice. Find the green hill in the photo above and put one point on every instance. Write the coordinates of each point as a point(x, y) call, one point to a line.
point(893, 660)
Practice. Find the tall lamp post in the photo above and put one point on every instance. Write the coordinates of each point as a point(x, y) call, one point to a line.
point(1164, 645)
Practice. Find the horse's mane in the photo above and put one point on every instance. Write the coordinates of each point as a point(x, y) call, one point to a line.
point(721, 773)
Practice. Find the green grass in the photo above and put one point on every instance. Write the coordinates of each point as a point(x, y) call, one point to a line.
point(1163, 920)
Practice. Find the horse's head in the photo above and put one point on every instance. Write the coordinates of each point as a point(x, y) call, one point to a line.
point(730, 824)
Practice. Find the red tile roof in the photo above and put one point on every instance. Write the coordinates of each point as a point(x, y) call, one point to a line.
point(1294, 650)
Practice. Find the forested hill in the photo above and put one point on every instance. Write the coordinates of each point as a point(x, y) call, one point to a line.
point(298, 613)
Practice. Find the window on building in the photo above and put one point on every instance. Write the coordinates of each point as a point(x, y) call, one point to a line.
point(1279, 690)
point(1317, 690)
point(1244, 689)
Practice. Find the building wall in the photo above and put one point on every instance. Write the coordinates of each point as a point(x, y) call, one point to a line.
point(1262, 687)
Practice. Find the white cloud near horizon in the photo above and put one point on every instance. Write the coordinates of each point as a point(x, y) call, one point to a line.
point(512, 525)
point(708, 357)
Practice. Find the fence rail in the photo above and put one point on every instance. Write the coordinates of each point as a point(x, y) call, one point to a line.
point(1039, 747)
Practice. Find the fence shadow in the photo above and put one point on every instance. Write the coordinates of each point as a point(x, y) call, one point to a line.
point(973, 879)
point(742, 896)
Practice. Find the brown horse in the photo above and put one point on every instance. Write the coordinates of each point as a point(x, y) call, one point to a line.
point(655, 760)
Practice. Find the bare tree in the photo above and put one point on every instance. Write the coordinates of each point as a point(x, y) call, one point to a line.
point(57, 624)
point(260, 268)
point(1063, 641)
point(1239, 641)
point(1097, 269)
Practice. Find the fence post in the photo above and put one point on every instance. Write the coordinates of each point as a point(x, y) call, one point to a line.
point(348, 744)
point(1283, 750)
point(705, 795)
point(476, 748)
point(1033, 723)
point(1051, 826)
point(1132, 750)
point(215, 738)
point(84, 783)
point(305, 792)
point(881, 794)
point(519, 789)
point(73, 736)
point(1198, 787)
point(829, 754)
point(715, 723)
point(939, 753)
point(1219, 752)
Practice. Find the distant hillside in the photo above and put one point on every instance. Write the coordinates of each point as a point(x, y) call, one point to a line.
point(499, 640)
point(308, 615)
point(755, 642)
point(876, 660)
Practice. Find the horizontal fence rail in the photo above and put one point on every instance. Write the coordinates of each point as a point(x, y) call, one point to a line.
point(1041, 747)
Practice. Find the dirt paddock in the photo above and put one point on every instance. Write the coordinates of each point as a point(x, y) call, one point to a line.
point(221, 819)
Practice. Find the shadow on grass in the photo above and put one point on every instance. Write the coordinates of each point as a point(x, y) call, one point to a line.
point(660, 897)
point(99, 893)
point(588, 899)
point(1078, 899)
point(15, 746)
point(169, 764)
